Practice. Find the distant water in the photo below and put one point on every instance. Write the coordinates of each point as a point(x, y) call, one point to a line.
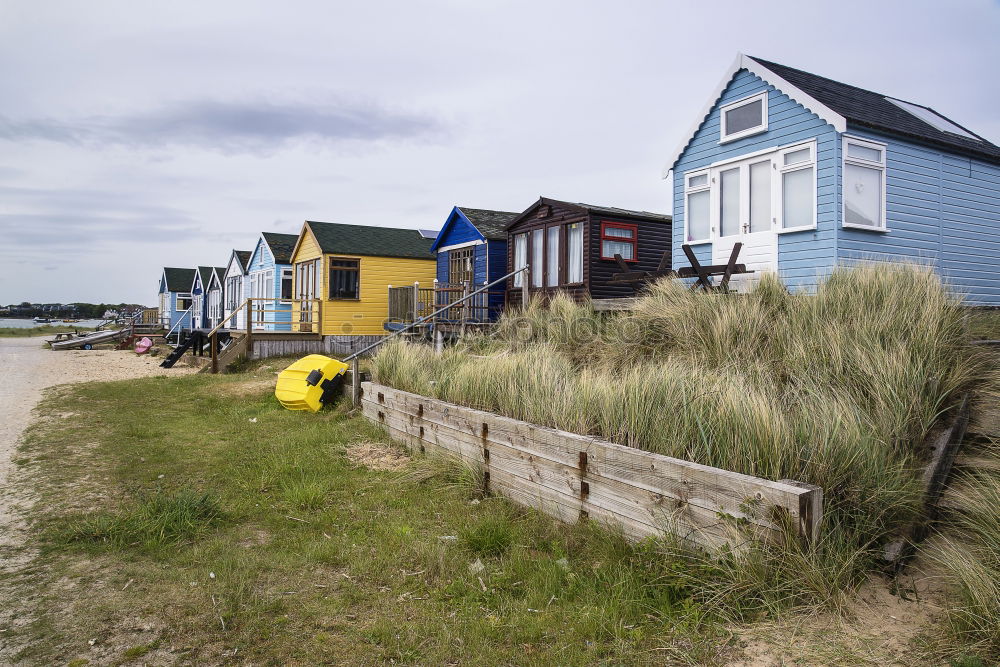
point(28, 324)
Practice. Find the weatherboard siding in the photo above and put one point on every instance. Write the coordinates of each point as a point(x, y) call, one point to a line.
point(942, 210)
point(496, 259)
point(235, 270)
point(367, 314)
point(802, 256)
point(262, 260)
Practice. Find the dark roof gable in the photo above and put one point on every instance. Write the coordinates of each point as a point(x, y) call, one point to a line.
point(491, 224)
point(591, 208)
point(370, 241)
point(178, 280)
point(281, 246)
point(244, 257)
point(875, 111)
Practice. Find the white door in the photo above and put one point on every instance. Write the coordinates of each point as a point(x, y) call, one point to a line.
point(745, 213)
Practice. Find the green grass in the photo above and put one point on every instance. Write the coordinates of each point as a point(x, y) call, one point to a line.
point(150, 521)
point(228, 524)
point(43, 330)
point(837, 389)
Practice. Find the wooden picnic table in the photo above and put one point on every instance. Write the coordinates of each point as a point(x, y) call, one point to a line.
point(703, 273)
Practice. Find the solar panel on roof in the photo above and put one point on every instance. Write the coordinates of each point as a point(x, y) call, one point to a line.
point(933, 119)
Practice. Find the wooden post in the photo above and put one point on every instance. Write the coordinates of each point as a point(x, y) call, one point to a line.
point(213, 341)
point(416, 301)
point(466, 291)
point(525, 277)
point(250, 328)
point(319, 317)
point(438, 341)
point(355, 382)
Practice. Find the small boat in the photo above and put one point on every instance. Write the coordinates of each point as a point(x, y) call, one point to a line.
point(41, 320)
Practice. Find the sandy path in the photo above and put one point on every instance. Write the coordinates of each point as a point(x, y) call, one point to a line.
point(26, 368)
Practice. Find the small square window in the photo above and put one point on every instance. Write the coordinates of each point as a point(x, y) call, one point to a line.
point(619, 239)
point(344, 283)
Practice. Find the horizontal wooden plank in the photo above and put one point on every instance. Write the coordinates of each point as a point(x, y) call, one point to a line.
point(653, 472)
point(568, 508)
point(542, 476)
point(645, 488)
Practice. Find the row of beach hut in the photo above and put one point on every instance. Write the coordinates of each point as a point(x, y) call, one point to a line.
point(340, 279)
point(804, 173)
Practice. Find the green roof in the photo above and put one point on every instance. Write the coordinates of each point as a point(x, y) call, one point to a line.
point(281, 246)
point(372, 241)
point(178, 280)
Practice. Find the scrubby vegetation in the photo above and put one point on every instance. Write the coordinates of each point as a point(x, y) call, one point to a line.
point(969, 556)
point(837, 389)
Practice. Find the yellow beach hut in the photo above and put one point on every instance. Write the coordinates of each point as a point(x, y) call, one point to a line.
point(342, 273)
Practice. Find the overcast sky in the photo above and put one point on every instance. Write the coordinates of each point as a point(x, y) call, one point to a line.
point(135, 135)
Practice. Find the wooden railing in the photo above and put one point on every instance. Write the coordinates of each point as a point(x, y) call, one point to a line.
point(256, 311)
point(456, 303)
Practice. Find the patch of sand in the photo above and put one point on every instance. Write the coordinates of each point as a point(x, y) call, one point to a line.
point(879, 627)
point(27, 368)
point(248, 387)
point(377, 456)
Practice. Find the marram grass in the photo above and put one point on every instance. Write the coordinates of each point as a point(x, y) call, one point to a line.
point(837, 389)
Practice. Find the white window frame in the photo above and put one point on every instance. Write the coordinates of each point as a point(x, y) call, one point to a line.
point(778, 200)
point(688, 191)
point(520, 277)
point(869, 164)
point(724, 136)
point(777, 157)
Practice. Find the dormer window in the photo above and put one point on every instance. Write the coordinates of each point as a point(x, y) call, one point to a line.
point(743, 118)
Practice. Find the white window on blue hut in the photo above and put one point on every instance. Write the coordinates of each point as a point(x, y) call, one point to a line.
point(864, 184)
point(743, 118)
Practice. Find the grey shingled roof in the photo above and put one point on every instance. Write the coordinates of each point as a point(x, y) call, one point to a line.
point(244, 257)
point(591, 208)
point(491, 224)
point(873, 110)
point(370, 241)
point(206, 275)
point(178, 280)
point(281, 246)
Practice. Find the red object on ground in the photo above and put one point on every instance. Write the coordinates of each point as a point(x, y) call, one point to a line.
point(143, 346)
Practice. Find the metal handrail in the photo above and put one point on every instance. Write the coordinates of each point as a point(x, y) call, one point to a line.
point(437, 312)
point(180, 320)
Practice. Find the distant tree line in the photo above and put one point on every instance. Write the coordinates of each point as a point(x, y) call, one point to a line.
point(79, 311)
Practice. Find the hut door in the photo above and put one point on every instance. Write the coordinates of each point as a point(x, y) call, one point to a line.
point(745, 213)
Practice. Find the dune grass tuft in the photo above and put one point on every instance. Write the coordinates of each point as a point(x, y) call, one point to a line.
point(151, 521)
point(838, 388)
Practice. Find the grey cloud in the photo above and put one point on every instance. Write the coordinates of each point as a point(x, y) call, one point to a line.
point(228, 127)
point(77, 219)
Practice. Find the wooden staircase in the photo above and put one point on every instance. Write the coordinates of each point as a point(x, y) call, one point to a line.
point(236, 349)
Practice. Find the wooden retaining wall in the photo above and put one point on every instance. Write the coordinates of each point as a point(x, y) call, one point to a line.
point(571, 476)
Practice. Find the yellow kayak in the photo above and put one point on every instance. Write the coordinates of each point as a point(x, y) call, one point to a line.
point(310, 383)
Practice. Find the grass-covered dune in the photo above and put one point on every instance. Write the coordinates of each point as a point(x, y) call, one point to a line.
point(839, 389)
